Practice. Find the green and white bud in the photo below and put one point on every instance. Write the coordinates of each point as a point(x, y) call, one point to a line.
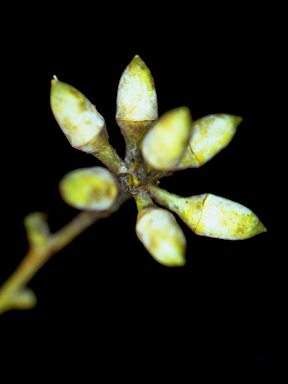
point(83, 125)
point(93, 189)
point(209, 135)
point(164, 144)
point(211, 215)
point(78, 118)
point(136, 105)
point(136, 96)
point(162, 236)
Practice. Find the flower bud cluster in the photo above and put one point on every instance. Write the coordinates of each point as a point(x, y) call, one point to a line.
point(155, 147)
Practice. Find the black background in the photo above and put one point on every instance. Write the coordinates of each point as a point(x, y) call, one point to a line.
point(104, 289)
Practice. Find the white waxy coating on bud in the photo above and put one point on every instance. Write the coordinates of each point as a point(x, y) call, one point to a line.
point(76, 115)
point(93, 188)
point(136, 96)
point(165, 142)
point(162, 236)
point(209, 135)
point(211, 215)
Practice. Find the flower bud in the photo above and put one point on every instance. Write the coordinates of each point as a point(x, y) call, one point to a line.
point(165, 142)
point(78, 118)
point(136, 105)
point(211, 215)
point(93, 188)
point(162, 236)
point(209, 135)
point(136, 96)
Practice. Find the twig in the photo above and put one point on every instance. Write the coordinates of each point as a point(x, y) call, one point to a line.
point(14, 293)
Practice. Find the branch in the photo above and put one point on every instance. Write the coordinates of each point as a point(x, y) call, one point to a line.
point(43, 244)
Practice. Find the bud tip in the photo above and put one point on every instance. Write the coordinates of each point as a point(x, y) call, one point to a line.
point(55, 79)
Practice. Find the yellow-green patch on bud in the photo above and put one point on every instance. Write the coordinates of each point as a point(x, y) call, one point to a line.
point(165, 142)
point(77, 117)
point(162, 236)
point(93, 188)
point(211, 215)
point(209, 135)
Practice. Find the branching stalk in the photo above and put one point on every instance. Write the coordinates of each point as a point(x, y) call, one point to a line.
point(14, 293)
